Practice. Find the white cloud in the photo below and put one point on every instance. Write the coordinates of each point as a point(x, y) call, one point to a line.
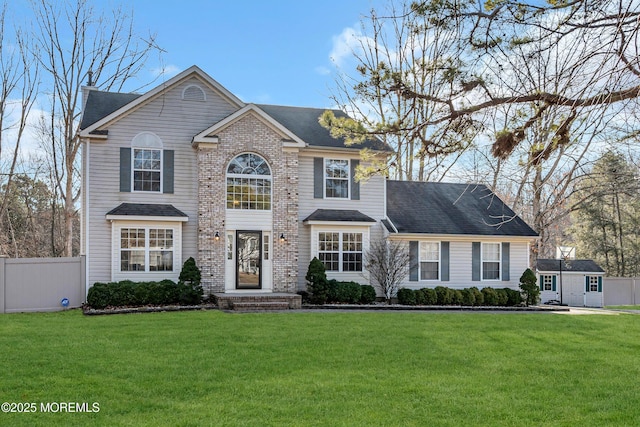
point(348, 42)
point(165, 71)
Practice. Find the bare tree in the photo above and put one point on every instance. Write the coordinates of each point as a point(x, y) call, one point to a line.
point(18, 87)
point(398, 43)
point(74, 40)
point(601, 68)
point(387, 262)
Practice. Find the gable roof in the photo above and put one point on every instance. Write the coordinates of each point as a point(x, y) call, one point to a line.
point(572, 265)
point(140, 99)
point(455, 209)
point(303, 122)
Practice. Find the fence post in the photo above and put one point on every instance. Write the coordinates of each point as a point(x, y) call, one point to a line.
point(83, 277)
point(3, 263)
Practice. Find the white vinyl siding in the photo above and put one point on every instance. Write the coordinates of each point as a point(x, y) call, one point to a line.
point(460, 266)
point(174, 121)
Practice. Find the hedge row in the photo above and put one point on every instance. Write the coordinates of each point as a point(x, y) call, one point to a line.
point(342, 293)
point(132, 294)
point(441, 295)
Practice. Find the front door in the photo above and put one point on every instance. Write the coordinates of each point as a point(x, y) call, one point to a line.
point(248, 257)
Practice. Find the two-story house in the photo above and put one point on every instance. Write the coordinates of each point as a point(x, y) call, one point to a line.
point(254, 192)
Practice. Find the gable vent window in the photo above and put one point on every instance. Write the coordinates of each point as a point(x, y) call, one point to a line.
point(193, 93)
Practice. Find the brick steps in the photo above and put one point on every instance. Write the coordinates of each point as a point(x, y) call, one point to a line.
point(260, 306)
point(258, 301)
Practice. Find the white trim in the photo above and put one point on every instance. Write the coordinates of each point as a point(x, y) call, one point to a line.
point(325, 178)
point(117, 274)
point(340, 223)
point(482, 261)
point(191, 71)
point(146, 218)
point(207, 134)
point(133, 169)
point(85, 209)
point(463, 237)
point(439, 260)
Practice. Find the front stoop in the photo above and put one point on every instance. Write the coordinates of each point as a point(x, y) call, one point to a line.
point(258, 301)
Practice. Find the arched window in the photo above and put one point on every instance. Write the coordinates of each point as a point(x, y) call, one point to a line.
point(249, 183)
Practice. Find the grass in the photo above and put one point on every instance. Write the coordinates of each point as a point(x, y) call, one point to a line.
point(624, 307)
point(323, 369)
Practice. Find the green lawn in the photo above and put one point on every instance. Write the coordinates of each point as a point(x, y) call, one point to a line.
point(333, 369)
point(623, 307)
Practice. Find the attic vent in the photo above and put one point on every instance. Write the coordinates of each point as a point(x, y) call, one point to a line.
point(193, 93)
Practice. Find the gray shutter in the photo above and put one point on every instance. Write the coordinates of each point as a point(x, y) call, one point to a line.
point(413, 261)
point(318, 178)
point(125, 169)
point(167, 171)
point(475, 261)
point(355, 186)
point(506, 261)
point(444, 259)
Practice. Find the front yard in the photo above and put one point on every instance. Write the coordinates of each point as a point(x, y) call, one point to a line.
point(382, 368)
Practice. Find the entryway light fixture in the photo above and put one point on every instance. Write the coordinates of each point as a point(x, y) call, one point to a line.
point(282, 238)
point(216, 236)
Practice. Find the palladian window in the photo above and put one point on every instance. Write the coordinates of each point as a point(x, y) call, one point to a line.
point(249, 183)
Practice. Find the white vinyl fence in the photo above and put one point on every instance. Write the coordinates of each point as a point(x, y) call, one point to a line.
point(41, 284)
point(621, 290)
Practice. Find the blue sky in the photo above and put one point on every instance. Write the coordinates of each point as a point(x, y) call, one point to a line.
point(275, 52)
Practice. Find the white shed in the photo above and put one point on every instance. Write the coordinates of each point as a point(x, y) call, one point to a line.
point(573, 282)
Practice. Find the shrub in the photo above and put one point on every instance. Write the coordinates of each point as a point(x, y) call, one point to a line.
point(128, 293)
point(367, 294)
point(430, 296)
point(348, 292)
point(445, 295)
point(98, 295)
point(189, 291)
point(456, 297)
point(406, 296)
point(529, 287)
point(305, 296)
point(503, 297)
point(421, 298)
point(477, 295)
point(468, 297)
point(317, 284)
point(490, 296)
point(331, 288)
point(514, 298)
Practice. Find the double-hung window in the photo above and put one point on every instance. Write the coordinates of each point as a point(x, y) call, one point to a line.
point(147, 167)
point(336, 174)
point(491, 261)
point(340, 251)
point(146, 249)
point(429, 261)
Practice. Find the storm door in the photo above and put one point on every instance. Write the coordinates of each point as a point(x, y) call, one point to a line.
point(248, 257)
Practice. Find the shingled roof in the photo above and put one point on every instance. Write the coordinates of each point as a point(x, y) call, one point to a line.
point(338, 215)
point(100, 104)
point(572, 265)
point(457, 209)
point(304, 123)
point(147, 209)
